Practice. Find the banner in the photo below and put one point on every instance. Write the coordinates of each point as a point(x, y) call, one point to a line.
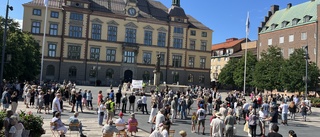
point(137, 84)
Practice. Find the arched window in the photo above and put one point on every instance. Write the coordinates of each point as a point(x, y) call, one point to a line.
point(146, 76)
point(109, 73)
point(190, 78)
point(50, 70)
point(201, 79)
point(72, 71)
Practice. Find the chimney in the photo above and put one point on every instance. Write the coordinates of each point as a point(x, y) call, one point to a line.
point(289, 5)
point(231, 39)
point(274, 8)
point(312, 0)
point(176, 3)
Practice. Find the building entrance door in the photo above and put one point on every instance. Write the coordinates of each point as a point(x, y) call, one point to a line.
point(128, 76)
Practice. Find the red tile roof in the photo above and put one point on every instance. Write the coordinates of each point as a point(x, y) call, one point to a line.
point(228, 44)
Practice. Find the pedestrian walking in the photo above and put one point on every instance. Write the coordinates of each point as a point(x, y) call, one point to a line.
point(124, 101)
point(132, 101)
point(89, 100)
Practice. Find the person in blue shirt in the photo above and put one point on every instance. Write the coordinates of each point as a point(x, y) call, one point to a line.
point(74, 120)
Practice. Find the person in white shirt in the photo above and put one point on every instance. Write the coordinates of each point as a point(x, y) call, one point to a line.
point(160, 118)
point(296, 100)
point(284, 115)
point(165, 130)
point(56, 104)
point(120, 123)
point(217, 126)
point(201, 115)
point(262, 117)
point(144, 104)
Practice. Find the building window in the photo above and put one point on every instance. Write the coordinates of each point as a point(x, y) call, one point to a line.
point(192, 44)
point(304, 36)
point(291, 38)
point(284, 24)
point(269, 42)
point(281, 39)
point(129, 57)
point(148, 37)
point(290, 51)
point(94, 53)
point(178, 30)
point(204, 34)
point(162, 59)
point(161, 39)
point(218, 59)
point(75, 31)
point(74, 52)
point(176, 61)
point(36, 12)
point(53, 29)
point(190, 78)
point(177, 43)
point(226, 59)
point(111, 55)
point(295, 21)
point(112, 33)
point(193, 33)
point(306, 18)
point(146, 76)
point(50, 70)
point(273, 26)
point(96, 31)
point(54, 14)
point(191, 62)
point(130, 35)
point(73, 72)
point(202, 63)
point(52, 50)
point(109, 73)
point(201, 79)
point(76, 16)
point(203, 45)
point(35, 29)
point(229, 51)
point(146, 58)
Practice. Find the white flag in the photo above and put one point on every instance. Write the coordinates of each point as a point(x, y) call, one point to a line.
point(247, 24)
point(46, 2)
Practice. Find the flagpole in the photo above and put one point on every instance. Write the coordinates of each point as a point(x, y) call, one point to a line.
point(245, 55)
point(44, 38)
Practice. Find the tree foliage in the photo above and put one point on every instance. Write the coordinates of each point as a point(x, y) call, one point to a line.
point(294, 69)
point(226, 74)
point(24, 51)
point(238, 74)
point(267, 70)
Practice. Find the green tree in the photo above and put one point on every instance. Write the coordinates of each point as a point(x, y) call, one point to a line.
point(24, 51)
point(238, 74)
point(226, 74)
point(293, 71)
point(267, 70)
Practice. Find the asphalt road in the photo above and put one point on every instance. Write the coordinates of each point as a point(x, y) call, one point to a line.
point(306, 129)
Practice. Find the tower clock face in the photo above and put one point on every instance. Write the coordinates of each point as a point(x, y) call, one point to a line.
point(132, 11)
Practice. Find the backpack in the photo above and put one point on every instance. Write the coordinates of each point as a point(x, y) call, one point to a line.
point(124, 100)
point(108, 106)
point(201, 113)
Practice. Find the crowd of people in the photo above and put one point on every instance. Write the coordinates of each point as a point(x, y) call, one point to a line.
point(166, 106)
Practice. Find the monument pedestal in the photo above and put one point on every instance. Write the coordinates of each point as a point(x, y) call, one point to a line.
point(156, 78)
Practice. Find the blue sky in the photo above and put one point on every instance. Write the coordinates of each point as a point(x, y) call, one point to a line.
point(227, 18)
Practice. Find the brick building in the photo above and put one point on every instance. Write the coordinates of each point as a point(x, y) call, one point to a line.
point(291, 28)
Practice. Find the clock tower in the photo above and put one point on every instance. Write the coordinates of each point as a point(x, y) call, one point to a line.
point(131, 8)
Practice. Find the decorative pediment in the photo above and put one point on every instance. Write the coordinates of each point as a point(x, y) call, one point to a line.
point(162, 29)
point(112, 22)
point(96, 20)
point(148, 27)
point(131, 25)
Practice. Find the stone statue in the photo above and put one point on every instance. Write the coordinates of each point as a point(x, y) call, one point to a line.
point(158, 63)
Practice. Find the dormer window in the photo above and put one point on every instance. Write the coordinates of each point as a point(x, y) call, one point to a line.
point(284, 24)
point(273, 26)
point(265, 28)
point(295, 21)
point(306, 18)
point(77, 4)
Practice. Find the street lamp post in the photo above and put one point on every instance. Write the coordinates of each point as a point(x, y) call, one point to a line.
point(306, 79)
point(4, 39)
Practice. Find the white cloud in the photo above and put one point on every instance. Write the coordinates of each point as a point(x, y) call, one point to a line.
point(20, 22)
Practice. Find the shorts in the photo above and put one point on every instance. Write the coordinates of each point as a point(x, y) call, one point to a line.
point(201, 122)
point(5, 106)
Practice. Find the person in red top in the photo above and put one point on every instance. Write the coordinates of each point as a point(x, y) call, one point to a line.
point(100, 96)
point(259, 101)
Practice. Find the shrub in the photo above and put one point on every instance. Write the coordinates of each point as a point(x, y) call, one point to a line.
point(32, 123)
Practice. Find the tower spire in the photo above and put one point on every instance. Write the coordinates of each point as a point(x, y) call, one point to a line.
point(176, 3)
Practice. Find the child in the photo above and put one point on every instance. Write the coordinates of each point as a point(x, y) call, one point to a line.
point(194, 122)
